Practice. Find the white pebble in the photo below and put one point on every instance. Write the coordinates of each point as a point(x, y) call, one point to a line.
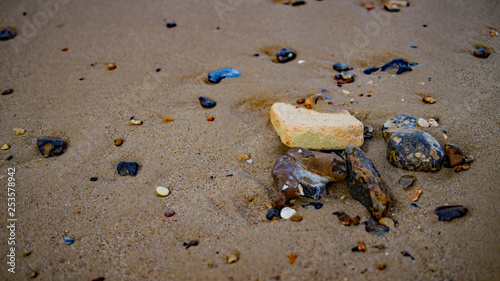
point(287, 213)
point(369, 82)
point(346, 92)
point(301, 61)
point(422, 123)
point(433, 123)
point(249, 161)
point(162, 191)
point(135, 122)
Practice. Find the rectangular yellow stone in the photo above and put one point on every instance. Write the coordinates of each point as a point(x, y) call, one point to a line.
point(307, 128)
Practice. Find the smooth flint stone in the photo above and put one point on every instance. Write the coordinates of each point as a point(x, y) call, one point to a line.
point(340, 67)
point(127, 168)
point(397, 66)
point(398, 123)
point(285, 55)
point(305, 173)
point(217, 75)
point(50, 147)
point(316, 205)
point(373, 227)
point(206, 102)
point(273, 212)
point(7, 33)
point(364, 182)
point(447, 213)
point(370, 70)
point(415, 151)
point(454, 155)
point(481, 53)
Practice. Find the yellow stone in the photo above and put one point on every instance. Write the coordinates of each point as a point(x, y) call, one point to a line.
point(19, 131)
point(5, 147)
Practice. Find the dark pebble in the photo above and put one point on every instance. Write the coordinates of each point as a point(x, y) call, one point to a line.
point(169, 214)
point(425, 25)
point(158, 69)
point(368, 95)
point(340, 67)
point(93, 179)
point(481, 53)
point(413, 64)
point(206, 102)
point(316, 205)
point(462, 168)
point(368, 132)
point(24, 13)
point(8, 158)
point(217, 75)
point(373, 227)
point(50, 147)
point(171, 24)
point(191, 243)
point(454, 155)
point(406, 181)
point(406, 254)
point(299, 3)
point(285, 55)
point(7, 92)
point(93, 64)
point(447, 213)
point(255, 55)
point(127, 168)
point(273, 212)
point(414, 47)
point(7, 33)
point(397, 66)
point(415, 205)
point(81, 79)
point(68, 241)
point(344, 218)
point(325, 90)
point(370, 70)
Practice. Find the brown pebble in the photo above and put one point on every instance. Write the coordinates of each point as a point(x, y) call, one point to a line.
point(168, 120)
point(118, 142)
point(461, 168)
point(429, 100)
point(292, 257)
point(356, 220)
point(414, 194)
point(26, 253)
point(233, 257)
point(111, 66)
point(361, 246)
point(455, 155)
point(7, 92)
point(64, 49)
point(301, 100)
point(77, 212)
point(295, 218)
point(169, 214)
point(382, 266)
point(210, 118)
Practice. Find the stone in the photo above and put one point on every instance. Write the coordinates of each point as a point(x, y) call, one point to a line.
point(462, 168)
point(206, 102)
point(127, 168)
point(316, 205)
point(94, 178)
point(285, 55)
point(364, 182)
point(5, 147)
point(7, 91)
point(190, 243)
point(19, 131)
point(272, 213)
point(118, 142)
point(305, 173)
point(448, 213)
point(300, 127)
point(396, 66)
point(423, 123)
point(370, 70)
point(7, 33)
point(373, 227)
point(429, 100)
point(168, 120)
point(482, 53)
point(233, 257)
point(50, 147)
point(292, 257)
point(295, 218)
point(406, 254)
point(398, 123)
point(171, 24)
point(217, 75)
point(134, 121)
point(415, 194)
point(287, 212)
point(344, 218)
point(68, 241)
point(406, 181)
point(359, 248)
point(169, 213)
point(340, 67)
point(433, 123)
point(454, 155)
point(387, 222)
point(162, 191)
point(111, 66)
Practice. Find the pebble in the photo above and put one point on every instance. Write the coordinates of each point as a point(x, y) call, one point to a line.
point(433, 123)
point(305, 173)
point(454, 155)
point(127, 168)
point(5, 147)
point(7, 33)
point(316, 205)
point(158, 70)
point(344, 78)
point(301, 61)
point(134, 121)
point(396, 5)
point(370, 70)
point(340, 67)
point(423, 123)
point(468, 159)
point(448, 213)
point(295, 218)
point(287, 213)
point(382, 266)
point(118, 142)
point(93, 179)
point(168, 120)
point(285, 55)
point(415, 205)
point(396, 66)
point(299, 3)
point(406, 181)
point(162, 191)
point(364, 182)
point(19, 131)
point(210, 118)
point(217, 75)
point(169, 213)
point(493, 33)
point(233, 257)
point(462, 168)
point(292, 257)
point(429, 100)
point(406, 254)
point(409, 148)
point(50, 147)
point(171, 24)
point(243, 157)
point(359, 248)
point(111, 66)
point(68, 241)
point(8, 158)
point(368, 132)
point(346, 220)
point(273, 212)
point(387, 222)
point(7, 92)
point(482, 53)
point(190, 243)
point(206, 102)
point(373, 227)
point(415, 194)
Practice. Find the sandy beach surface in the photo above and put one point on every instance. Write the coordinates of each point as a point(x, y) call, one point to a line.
point(118, 222)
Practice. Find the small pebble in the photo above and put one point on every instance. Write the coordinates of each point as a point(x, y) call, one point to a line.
point(111, 66)
point(19, 131)
point(344, 218)
point(448, 213)
point(273, 212)
point(481, 53)
point(414, 47)
point(287, 212)
point(255, 55)
point(93, 64)
point(468, 159)
point(168, 120)
point(396, 66)
point(461, 168)
point(423, 123)
point(206, 102)
point(415, 194)
point(299, 3)
point(406, 254)
point(68, 241)
point(493, 33)
point(233, 257)
point(217, 75)
point(285, 55)
point(454, 155)
point(316, 205)
point(382, 266)
point(343, 197)
point(64, 49)
point(340, 67)
point(5, 147)
point(8, 158)
point(433, 123)
point(406, 181)
point(50, 147)
point(171, 24)
point(33, 274)
point(243, 157)
point(292, 257)
point(301, 61)
point(118, 142)
point(26, 253)
point(127, 168)
point(134, 121)
point(359, 248)
point(370, 70)
point(249, 161)
point(415, 205)
point(191, 243)
point(301, 101)
point(7, 92)
point(169, 214)
point(7, 33)
point(429, 100)
point(368, 132)
point(93, 179)
point(387, 222)
point(295, 218)
point(158, 69)
point(372, 226)
point(162, 191)
point(210, 118)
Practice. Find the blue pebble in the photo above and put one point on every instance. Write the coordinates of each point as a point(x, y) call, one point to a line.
point(7, 33)
point(217, 75)
point(414, 47)
point(206, 102)
point(316, 205)
point(68, 241)
point(400, 64)
point(370, 70)
point(325, 90)
point(415, 205)
point(127, 168)
point(413, 64)
point(158, 69)
point(255, 55)
point(285, 55)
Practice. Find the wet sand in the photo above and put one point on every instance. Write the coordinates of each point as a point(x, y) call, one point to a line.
point(118, 223)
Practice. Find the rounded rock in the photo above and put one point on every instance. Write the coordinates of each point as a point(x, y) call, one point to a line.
point(217, 75)
point(7, 33)
point(423, 123)
point(19, 131)
point(206, 102)
point(482, 53)
point(50, 147)
point(340, 67)
point(127, 168)
point(285, 55)
point(287, 213)
point(162, 191)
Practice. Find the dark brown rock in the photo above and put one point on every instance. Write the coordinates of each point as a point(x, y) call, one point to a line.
point(454, 155)
point(447, 213)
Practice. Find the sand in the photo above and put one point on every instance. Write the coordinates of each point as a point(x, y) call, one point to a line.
point(118, 223)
